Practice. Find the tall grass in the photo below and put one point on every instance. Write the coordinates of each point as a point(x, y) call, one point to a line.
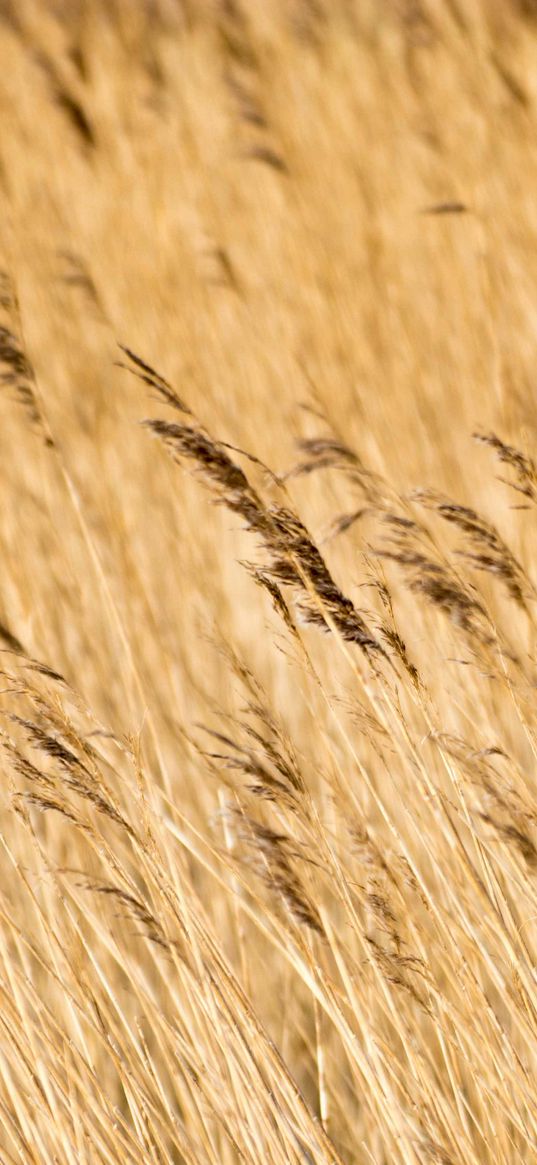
point(268, 735)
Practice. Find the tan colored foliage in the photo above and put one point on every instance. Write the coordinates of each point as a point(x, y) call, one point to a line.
point(268, 812)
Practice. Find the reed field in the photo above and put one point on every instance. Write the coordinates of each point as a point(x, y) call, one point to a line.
point(268, 589)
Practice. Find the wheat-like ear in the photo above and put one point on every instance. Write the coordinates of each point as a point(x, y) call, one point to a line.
point(486, 549)
point(162, 390)
point(16, 369)
point(291, 558)
point(523, 467)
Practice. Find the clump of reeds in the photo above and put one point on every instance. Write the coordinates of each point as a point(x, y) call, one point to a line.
point(266, 895)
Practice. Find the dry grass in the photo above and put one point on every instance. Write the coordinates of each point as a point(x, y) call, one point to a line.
point(268, 733)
